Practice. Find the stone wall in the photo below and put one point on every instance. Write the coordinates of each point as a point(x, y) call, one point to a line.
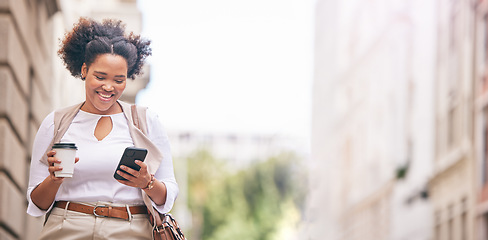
point(25, 68)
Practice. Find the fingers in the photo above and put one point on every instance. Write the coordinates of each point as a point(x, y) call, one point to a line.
point(77, 159)
point(142, 164)
point(125, 175)
point(131, 180)
point(133, 172)
point(53, 169)
point(51, 161)
point(51, 153)
point(135, 178)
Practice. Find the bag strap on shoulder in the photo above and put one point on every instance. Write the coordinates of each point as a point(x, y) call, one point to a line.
point(139, 121)
point(139, 118)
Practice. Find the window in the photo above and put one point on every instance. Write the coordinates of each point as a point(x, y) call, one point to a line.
point(453, 94)
point(485, 218)
point(454, 46)
point(485, 146)
point(450, 223)
point(438, 229)
point(464, 219)
point(485, 77)
point(450, 128)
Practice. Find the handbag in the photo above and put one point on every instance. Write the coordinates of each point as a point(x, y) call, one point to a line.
point(165, 226)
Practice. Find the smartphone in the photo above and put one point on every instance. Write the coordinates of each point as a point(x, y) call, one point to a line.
point(131, 154)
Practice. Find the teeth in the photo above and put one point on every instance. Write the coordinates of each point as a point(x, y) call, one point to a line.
point(105, 96)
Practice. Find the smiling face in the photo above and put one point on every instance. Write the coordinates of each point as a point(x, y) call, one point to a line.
point(105, 80)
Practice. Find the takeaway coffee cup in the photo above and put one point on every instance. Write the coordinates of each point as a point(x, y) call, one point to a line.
point(66, 153)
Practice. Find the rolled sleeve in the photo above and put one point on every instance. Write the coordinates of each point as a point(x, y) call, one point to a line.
point(171, 194)
point(165, 172)
point(32, 208)
point(38, 170)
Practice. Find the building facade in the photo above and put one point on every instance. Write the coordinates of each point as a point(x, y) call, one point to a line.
point(441, 186)
point(480, 109)
point(373, 120)
point(26, 53)
point(452, 185)
point(33, 82)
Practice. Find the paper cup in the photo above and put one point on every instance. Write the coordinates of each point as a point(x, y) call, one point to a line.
point(66, 153)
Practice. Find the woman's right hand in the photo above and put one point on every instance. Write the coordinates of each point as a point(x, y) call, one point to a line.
point(51, 160)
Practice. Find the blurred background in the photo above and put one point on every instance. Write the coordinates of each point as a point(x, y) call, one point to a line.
point(288, 119)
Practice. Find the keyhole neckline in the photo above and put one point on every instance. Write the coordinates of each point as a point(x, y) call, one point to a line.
point(103, 128)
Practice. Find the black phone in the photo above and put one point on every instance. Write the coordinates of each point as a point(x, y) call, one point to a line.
point(131, 154)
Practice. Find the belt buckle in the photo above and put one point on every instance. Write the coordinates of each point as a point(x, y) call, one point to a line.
point(95, 211)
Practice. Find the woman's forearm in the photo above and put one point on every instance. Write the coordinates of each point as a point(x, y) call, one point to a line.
point(44, 194)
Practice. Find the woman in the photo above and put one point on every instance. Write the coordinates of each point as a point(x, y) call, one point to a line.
point(92, 204)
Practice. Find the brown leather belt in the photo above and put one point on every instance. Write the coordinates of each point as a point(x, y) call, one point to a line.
point(102, 211)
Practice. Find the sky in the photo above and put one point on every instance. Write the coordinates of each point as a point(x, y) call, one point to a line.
point(230, 66)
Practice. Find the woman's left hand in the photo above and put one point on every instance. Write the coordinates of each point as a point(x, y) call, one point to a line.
point(138, 179)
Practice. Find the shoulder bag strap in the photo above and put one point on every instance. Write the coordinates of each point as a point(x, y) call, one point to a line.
point(139, 120)
point(135, 118)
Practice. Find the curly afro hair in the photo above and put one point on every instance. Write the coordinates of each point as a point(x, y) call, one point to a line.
point(90, 38)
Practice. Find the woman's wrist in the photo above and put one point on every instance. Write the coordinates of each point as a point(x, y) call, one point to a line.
point(158, 192)
point(150, 184)
point(54, 181)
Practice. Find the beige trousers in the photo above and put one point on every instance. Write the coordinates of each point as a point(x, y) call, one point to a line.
point(69, 225)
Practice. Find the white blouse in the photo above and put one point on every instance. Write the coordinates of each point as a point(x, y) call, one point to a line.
point(93, 179)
